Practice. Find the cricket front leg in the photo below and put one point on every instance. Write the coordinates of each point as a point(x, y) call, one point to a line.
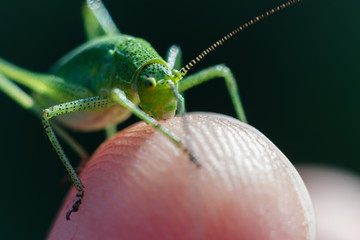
point(74, 177)
point(78, 105)
point(174, 57)
point(174, 60)
point(119, 97)
point(218, 71)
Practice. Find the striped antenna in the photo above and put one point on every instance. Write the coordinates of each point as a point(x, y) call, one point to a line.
point(188, 66)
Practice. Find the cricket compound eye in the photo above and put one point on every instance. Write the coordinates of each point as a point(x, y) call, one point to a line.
point(150, 83)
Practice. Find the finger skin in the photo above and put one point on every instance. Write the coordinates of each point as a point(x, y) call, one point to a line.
point(336, 197)
point(139, 185)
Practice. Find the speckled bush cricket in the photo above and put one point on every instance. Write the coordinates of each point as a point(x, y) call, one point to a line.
point(110, 77)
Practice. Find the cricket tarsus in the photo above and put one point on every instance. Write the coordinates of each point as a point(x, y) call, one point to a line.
point(76, 204)
point(194, 159)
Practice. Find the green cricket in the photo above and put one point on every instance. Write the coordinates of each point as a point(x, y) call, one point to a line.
point(108, 78)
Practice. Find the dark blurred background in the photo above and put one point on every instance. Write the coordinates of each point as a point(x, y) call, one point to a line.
point(297, 72)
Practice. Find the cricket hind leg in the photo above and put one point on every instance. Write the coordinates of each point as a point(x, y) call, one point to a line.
point(91, 25)
point(49, 85)
point(218, 71)
point(97, 20)
point(9, 88)
point(31, 104)
point(110, 131)
point(58, 90)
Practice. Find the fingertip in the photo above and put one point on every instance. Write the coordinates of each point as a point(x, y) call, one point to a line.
point(140, 186)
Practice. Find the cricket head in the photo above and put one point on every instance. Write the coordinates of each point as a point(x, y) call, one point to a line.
point(157, 89)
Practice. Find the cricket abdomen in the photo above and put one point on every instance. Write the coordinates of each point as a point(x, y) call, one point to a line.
point(99, 119)
point(91, 65)
point(88, 120)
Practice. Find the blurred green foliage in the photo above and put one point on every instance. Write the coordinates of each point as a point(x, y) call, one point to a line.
point(297, 72)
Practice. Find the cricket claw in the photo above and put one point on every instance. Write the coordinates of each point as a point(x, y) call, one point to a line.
point(193, 158)
point(76, 204)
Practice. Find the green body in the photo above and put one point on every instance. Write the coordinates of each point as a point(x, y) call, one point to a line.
point(103, 64)
point(104, 81)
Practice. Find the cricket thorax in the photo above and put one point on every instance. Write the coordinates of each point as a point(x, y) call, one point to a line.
point(131, 55)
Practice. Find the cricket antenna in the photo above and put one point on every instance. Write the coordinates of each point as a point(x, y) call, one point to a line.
point(188, 66)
